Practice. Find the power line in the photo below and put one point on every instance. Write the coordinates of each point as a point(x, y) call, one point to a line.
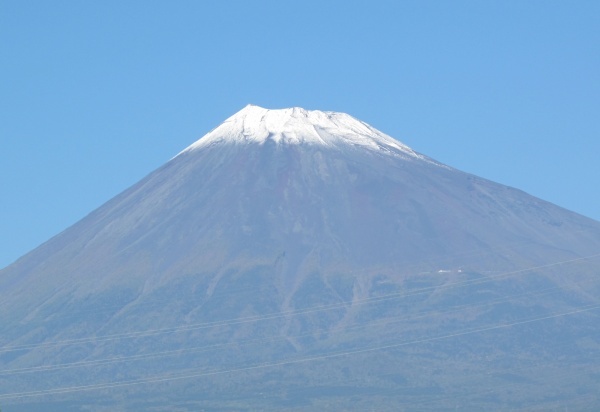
point(152, 355)
point(288, 362)
point(283, 314)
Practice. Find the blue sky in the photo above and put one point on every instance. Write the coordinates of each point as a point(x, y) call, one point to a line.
point(94, 95)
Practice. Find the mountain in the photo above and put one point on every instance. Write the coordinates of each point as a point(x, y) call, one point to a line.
point(303, 260)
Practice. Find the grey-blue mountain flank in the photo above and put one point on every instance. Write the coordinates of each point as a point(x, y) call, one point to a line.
point(303, 260)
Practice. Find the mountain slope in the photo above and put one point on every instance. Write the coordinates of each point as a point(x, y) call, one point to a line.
point(305, 254)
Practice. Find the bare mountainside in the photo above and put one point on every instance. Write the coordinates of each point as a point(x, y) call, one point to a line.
point(303, 260)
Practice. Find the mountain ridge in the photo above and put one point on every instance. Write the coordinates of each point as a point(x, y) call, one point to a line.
point(283, 251)
point(299, 126)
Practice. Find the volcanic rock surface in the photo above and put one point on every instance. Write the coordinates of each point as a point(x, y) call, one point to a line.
point(295, 259)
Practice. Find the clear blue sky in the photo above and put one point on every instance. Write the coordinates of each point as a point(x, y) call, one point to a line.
point(94, 95)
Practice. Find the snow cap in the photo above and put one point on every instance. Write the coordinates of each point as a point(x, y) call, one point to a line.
point(254, 124)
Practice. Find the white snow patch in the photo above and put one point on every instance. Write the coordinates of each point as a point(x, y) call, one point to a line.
point(255, 124)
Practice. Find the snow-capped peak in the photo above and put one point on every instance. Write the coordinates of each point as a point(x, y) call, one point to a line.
point(254, 124)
